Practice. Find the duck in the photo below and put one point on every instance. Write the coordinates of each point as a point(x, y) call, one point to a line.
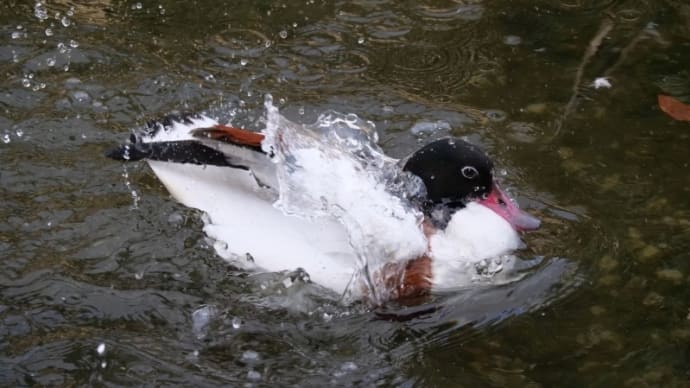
point(232, 175)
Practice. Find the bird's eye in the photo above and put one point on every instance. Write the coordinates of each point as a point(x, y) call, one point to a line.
point(469, 172)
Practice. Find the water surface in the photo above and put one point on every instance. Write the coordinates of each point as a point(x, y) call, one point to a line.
point(104, 278)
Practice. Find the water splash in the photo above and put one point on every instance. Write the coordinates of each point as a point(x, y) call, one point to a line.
point(334, 168)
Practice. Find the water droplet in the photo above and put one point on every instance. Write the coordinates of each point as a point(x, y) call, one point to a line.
point(236, 323)
point(201, 318)
point(100, 349)
point(49, 32)
point(283, 34)
point(243, 62)
point(73, 43)
point(65, 21)
point(40, 11)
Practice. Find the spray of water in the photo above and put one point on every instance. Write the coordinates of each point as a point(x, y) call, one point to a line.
point(334, 168)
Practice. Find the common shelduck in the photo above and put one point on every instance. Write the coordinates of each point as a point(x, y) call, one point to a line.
point(456, 227)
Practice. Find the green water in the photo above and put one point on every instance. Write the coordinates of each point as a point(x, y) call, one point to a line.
point(97, 253)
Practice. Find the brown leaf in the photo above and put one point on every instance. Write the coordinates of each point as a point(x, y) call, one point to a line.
point(674, 108)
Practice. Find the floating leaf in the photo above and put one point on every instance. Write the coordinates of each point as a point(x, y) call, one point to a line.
point(674, 108)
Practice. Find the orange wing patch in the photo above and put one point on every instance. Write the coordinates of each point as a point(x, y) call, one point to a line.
point(231, 135)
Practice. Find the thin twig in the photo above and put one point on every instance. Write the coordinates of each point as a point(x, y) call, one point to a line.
point(604, 29)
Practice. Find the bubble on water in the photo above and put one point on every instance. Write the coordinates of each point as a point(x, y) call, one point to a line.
point(81, 96)
point(349, 366)
point(70, 11)
point(65, 21)
point(40, 11)
point(137, 6)
point(429, 127)
point(6, 138)
point(209, 77)
point(161, 10)
point(294, 25)
point(282, 101)
point(50, 62)
point(496, 115)
point(267, 43)
point(20, 27)
point(73, 43)
point(100, 349)
point(512, 40)
point(17, 34)
point(26, 82)
point(19, 132)
point(236, 323)
point(360, 40)
point(243, 62)
point(250, 356)
point(175, 218)
point(301, 111)
point(104, 364)
point(283, 34)
point(327, 317)
point(253, 375)
point(62, 49)
point(139, 275)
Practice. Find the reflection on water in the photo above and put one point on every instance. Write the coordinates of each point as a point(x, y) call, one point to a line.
point(95, 290)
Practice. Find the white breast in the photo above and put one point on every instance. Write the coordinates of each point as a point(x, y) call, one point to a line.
point(474, 233)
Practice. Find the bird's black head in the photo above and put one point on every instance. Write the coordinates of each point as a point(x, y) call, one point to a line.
point(453, 171)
